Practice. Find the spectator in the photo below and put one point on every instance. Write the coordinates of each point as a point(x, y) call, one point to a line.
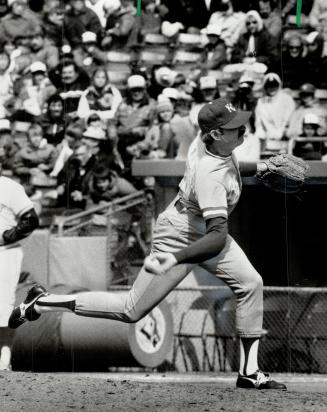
point(308, 105)
point(72, 138)
point(317, 63)
point(208, 90)
point(148, 22)
point(42, 50)
point(8, 148)
point(229, 23)
point(172, 95)
point(101, 97)
point(34, 96)
point(134, 116)
point(71, 81)
point(161, 78)
point(193, 14)
point(73, 179)
point(310, 150)
point(97, 7)
point(295, 67)
point(53, 121)
point(53, 22)
point(79, 19)
point(214, 53)
point(92, 137)
point(17, 22)
point(119, 26)
point(106, 185)
point(37, 158)
point(6, 89)
point(271, 19)
point(256, 44)
point(244, 98)
point(90, 54)
point(318, 17)
point(159, 141)
point(272, 114)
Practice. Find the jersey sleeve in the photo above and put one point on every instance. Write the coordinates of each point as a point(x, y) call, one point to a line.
point(19, 201)
point(211, 195)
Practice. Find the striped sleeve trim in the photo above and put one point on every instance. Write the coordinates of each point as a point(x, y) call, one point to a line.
point(212, 212)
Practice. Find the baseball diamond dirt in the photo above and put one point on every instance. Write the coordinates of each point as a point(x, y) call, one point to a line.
point(159, 392)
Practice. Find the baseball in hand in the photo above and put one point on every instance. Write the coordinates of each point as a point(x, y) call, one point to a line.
point(152, 265)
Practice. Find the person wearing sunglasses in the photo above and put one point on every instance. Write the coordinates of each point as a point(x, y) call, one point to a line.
point(256, 44)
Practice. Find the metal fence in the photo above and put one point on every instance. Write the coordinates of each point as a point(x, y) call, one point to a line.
point(295, 327)
point(205, 339)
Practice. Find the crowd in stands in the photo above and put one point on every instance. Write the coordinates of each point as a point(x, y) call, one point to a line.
point(87, 86)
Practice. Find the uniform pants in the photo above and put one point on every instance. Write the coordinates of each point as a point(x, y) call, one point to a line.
point(10, 267)
point(175, 230)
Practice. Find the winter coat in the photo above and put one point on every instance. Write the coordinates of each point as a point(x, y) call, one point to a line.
point(272, 115)
point(29, 157)
point(265, 48)
point(76, 25)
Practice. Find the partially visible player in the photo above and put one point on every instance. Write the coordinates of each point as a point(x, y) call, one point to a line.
point(192, 230)
point(18, 219)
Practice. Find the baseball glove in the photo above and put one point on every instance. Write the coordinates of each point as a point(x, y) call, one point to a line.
point(285, 173)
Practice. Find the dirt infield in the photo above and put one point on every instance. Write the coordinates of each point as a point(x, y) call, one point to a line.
point(110, 392)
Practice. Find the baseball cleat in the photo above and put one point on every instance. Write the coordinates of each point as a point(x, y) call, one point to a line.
point(25, 311)
point(258, 380)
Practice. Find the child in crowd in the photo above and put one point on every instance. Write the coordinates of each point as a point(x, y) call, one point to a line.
point(159, 141)
point(310, 150)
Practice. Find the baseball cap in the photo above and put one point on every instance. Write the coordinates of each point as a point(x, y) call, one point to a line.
point(221, 113)
point(213, 30)
point(311, 118)
point(207, 82)
point(136, 81)
point(307, 88)
point(95, 133)
point(38, 67)
point(89, 37)
point(171, 93)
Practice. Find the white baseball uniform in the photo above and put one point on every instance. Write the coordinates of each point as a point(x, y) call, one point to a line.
point(13, 203)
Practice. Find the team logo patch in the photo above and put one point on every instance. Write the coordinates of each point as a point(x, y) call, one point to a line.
point(230, 107)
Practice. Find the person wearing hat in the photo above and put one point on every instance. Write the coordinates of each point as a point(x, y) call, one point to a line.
point(34, 97)
point(193, 230)
point(307, 104)
point(310, 150)
point(271, 18)
point(214, 55)
point(272, 115)
point(244, 98)
point(134, 117)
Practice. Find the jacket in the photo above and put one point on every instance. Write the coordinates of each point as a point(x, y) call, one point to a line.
point(76, 25)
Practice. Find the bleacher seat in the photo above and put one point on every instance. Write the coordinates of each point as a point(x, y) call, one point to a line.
point(155, 39)
point(150, 58)
point(189, 41)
